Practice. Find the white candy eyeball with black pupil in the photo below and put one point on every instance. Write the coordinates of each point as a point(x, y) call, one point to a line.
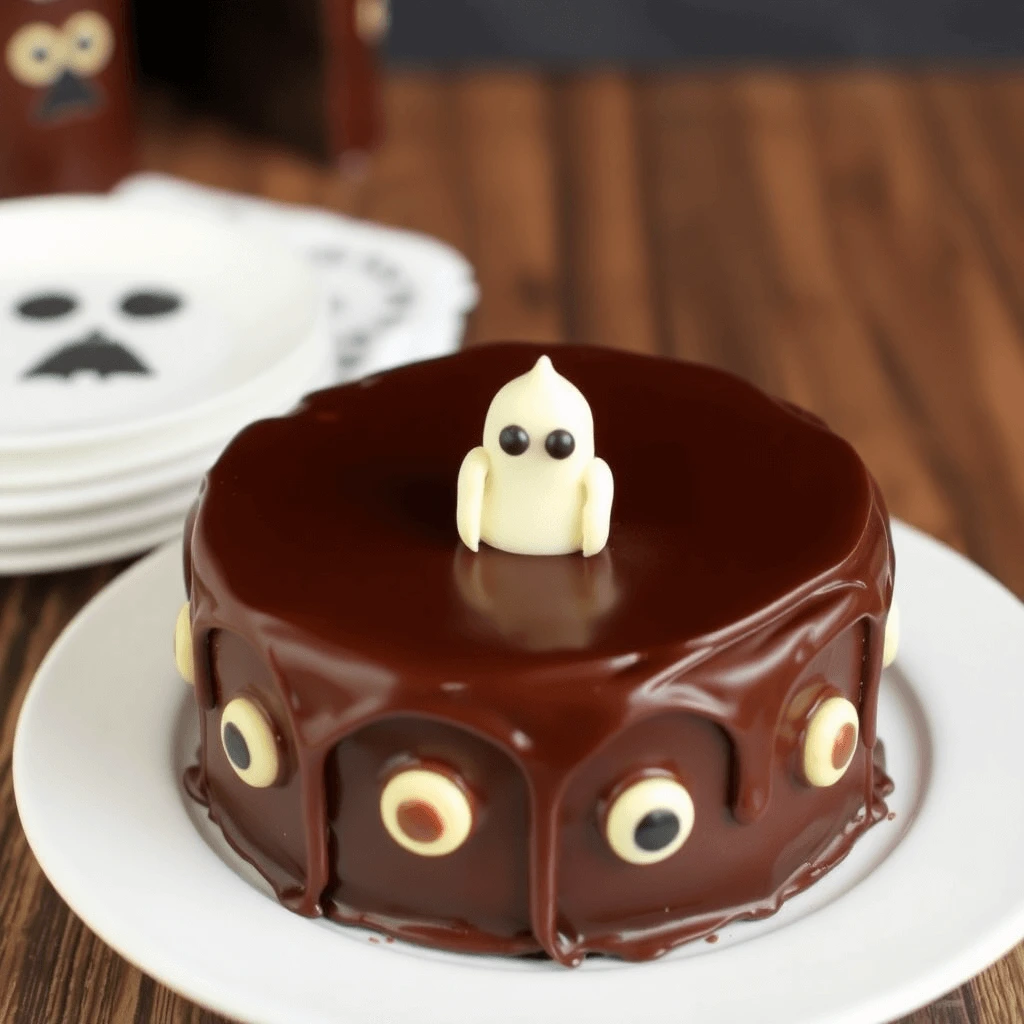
point(426, 813)
point(650, 821)
point(830, 742)
point(249, 742)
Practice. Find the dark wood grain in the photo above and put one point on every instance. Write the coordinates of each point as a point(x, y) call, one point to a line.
point(853, 241)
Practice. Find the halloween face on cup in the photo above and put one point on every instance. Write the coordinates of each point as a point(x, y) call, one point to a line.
point(66, 117)
point(56, 56)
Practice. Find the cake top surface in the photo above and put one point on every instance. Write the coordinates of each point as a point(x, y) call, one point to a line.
point(338, 524)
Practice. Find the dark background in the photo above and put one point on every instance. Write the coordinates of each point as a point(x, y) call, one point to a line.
point(663, 32)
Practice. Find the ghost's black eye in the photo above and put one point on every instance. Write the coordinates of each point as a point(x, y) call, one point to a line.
point(47, 306)
point(560, 444)
point(150, 303)
point(514, 440)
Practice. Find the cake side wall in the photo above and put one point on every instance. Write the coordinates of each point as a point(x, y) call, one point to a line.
point(758, 823)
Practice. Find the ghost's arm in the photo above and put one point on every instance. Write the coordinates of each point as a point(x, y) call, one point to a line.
point(472, 478)
point(598, 489)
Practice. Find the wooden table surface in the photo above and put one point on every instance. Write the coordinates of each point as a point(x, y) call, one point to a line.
point(852, 241)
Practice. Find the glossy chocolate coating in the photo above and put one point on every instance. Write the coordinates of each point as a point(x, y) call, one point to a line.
point(747, 577)
point(81, 147)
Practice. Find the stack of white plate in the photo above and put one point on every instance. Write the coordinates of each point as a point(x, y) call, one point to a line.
point(134, 343)
point(391, 296)
point(139, 332)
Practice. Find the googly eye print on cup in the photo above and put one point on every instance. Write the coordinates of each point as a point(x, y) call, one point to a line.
point(830, 741)
point(650, 820)
point(250, 744)
point(89, 40)
point(36, 54)
point(426, 812)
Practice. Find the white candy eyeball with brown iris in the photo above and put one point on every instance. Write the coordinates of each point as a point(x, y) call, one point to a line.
point(426, 812)
point(650, 820)
point(250, 744)
point(830, 741)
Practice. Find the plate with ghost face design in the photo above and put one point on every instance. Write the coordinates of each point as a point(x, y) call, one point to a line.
point(118, 321)
point(86, 464)
point(390, 295)
point(923, 901)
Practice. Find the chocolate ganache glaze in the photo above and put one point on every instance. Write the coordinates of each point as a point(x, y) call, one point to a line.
point(741, 600)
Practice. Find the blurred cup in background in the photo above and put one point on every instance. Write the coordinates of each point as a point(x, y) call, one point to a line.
point(66, 113)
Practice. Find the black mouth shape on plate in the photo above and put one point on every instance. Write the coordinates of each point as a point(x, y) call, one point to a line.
point(96, 353)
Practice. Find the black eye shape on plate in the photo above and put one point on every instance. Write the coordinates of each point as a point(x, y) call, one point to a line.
point(560, 444)
point(514, 440)
point(150, 303)
point(46, 306)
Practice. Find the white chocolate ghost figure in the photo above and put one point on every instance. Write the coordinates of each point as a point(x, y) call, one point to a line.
point(534, 487)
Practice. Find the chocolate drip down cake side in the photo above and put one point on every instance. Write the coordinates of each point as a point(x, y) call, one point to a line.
point(598, 684)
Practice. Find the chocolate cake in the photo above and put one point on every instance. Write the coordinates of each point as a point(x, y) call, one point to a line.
point(502, 753)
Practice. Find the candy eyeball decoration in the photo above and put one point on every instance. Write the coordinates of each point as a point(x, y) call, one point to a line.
point(830, 741)
point(183, 646)
point(892, 636)
point(535, 487)
point(250, 744)
point(649, 820)
point(426, 812)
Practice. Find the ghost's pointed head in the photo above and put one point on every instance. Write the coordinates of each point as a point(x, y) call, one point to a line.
point(540, 417)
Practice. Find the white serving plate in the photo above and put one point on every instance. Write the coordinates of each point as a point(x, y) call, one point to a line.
point(921, 904)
